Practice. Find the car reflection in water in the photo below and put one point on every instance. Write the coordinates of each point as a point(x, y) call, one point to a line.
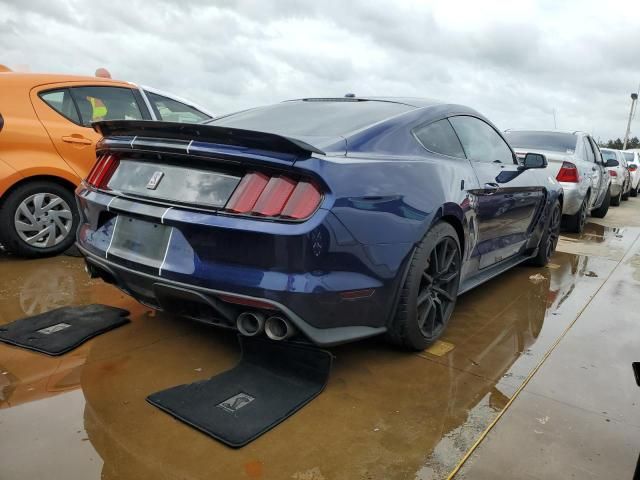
point(384, 414)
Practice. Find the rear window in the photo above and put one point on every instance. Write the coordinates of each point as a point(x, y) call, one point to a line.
point(328, 118)
point(552, 141)
point(628, 156)
point(608, 154)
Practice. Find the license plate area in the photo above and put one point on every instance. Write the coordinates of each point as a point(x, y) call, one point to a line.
point(139, 241)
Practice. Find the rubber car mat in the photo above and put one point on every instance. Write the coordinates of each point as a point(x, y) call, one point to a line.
point(57, 331)
point(270, 383)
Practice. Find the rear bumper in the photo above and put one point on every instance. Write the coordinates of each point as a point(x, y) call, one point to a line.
point(573, 198)
point(303, 270)
point(180, 298)
point(616, 188)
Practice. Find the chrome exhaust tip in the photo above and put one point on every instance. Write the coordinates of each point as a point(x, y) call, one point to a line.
point(250, 323)
point(278, 328)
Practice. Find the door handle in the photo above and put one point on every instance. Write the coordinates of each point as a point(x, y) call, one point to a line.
point(491, 187)
point(77, 139)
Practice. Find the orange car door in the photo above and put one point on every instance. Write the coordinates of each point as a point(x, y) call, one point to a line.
point(66, 111)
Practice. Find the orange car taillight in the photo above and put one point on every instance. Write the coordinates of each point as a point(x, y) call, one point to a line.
point(102, 171)
point(568, 173)
point(275, 196)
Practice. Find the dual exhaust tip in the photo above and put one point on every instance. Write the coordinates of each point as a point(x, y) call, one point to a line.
point(275, 327)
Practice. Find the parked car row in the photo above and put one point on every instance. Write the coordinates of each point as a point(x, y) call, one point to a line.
point(321, 219)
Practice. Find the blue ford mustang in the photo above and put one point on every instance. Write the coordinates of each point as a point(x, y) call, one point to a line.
point(322, 219)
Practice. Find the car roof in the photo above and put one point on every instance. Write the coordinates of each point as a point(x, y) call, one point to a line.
point(409, 101)
point(35, 79)
point(566, 132)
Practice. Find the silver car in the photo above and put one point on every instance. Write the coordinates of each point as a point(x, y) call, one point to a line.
point(619, 174)
point(575, 161)
point(633, 160)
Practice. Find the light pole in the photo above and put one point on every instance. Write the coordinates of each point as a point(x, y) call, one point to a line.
point(634, 99)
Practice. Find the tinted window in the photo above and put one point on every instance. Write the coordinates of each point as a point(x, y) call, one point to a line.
point(589, 151)
point(105, 103)
point(61, 102)
point(480, 141)
point(171, 110)
point(553, 141)
point(439, 137)
point(313, 117)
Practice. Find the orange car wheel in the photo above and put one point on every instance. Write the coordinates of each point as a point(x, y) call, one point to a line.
point(39, 219)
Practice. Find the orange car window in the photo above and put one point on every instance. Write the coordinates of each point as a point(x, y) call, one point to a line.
point(105, 103)
point(61, 102)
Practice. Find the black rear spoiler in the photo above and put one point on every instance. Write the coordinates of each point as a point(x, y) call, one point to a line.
point(204, 133)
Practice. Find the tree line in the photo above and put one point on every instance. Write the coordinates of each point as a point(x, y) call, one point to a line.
point(618, 143)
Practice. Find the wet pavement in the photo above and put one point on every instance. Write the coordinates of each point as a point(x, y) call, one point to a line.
point(384, 414)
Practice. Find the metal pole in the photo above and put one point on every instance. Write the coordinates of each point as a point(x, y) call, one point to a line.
point(634, 98)
point(555, 124)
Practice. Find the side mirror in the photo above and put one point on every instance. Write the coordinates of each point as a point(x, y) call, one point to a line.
point(612, 163)
point(534, 160)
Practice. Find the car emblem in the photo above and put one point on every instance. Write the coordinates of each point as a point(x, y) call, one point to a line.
point(155, 180)
point(236, 402)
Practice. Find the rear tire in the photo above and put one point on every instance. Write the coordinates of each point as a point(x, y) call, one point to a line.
point(625, 197)
point(602, 210)
point(575, 223)
point(549, 240)
point(46, 215)
point(634, 192)
point(615, 201)
point(430, 290)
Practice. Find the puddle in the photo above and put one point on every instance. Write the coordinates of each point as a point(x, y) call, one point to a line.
point(384, 414)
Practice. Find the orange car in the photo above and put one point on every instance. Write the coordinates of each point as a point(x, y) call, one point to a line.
point(47, 146)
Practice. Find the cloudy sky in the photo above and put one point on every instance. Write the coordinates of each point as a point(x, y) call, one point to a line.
point(515, 61)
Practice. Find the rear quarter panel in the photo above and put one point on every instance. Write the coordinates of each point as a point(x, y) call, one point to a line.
point(25, 147)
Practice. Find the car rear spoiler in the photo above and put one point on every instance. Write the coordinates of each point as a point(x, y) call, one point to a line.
point(205, 133)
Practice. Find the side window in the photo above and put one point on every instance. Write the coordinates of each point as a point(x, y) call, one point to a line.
point(439, 137)
point(171, 110)
point(105, 103)
point(596, 150)
point(480, 141)
point(61, 102)
point(589, 150)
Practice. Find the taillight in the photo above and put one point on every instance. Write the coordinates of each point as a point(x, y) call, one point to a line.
point(568, 173)
point(102, 171)
point(276, 196)
point(613, 173)
point(633, 168)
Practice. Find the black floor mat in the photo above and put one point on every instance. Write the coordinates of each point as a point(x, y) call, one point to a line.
point(270, 383)
point(63, 329)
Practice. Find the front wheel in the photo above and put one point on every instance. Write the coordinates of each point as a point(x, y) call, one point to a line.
point(549, 239)
point(38, 219)
point(430, 290)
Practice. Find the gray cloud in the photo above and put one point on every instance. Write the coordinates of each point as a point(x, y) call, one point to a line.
point(514, 61)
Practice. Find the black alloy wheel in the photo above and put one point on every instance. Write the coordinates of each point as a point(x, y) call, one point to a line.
point(429, 292)
point(438, 288)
